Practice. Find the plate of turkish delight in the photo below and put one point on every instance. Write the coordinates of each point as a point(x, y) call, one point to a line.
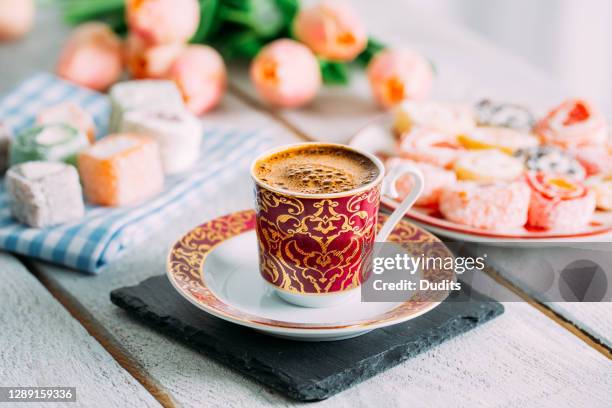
point(494, 172)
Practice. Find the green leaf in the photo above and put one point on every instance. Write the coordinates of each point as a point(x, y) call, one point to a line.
point(372, 48)
point(334, 73)
point(117, 24)
point(78, 11)
point(289, 9)
point(245, 44)
point(208, 19)
point(263, 17)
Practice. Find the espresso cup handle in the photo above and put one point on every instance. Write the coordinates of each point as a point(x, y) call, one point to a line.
point(389, 189)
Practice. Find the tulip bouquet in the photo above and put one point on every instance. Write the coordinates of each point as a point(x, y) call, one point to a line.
point(292, 50)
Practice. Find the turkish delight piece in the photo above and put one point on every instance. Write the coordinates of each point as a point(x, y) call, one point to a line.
point(445, 117)
point(42, 194)
point(488, 165)
point(494, 206)
point(559, 203)
point(121, 169)
point(178, 133)
point(70, 114)
point(501, 114)
point(573, 124)
point(53, 142)
point(152, 93)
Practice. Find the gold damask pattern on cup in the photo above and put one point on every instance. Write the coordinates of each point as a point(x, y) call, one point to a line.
point(315, 245)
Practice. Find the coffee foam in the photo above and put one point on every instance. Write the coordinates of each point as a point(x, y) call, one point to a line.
point(317, 169)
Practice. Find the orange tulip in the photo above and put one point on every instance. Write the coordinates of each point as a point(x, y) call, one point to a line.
point(332, 30)
point(398, 74)
point(163, 21)
point(200, 75)
point(286, 73)
point(150, 61)
point(92, 57)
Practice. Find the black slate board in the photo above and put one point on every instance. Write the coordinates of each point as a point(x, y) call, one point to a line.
point(304, 371)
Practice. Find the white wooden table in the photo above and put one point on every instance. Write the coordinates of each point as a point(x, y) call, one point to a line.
point(59, 328)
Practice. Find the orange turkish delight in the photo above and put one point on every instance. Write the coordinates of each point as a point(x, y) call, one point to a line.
point(121, 169)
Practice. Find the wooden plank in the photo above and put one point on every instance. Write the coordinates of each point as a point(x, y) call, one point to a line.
point(522, 267)
point(42, 345)
point(591, 317)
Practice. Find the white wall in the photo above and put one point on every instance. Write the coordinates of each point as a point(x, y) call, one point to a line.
point(568, 39)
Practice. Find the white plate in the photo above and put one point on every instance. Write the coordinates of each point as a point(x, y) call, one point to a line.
point(215, 267)
point(378, 138)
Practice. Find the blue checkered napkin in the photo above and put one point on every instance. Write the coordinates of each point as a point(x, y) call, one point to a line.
point(105, 233)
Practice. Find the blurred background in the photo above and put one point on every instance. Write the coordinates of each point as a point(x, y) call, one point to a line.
point(570, 40)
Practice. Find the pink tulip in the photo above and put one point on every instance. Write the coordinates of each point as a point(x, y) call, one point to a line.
point(332, 30)
point(92, 57)
point(16, 18)
point(286, 73)
point(150, 61)
point(163, 21)
point(398, 74)
point(199, 73)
